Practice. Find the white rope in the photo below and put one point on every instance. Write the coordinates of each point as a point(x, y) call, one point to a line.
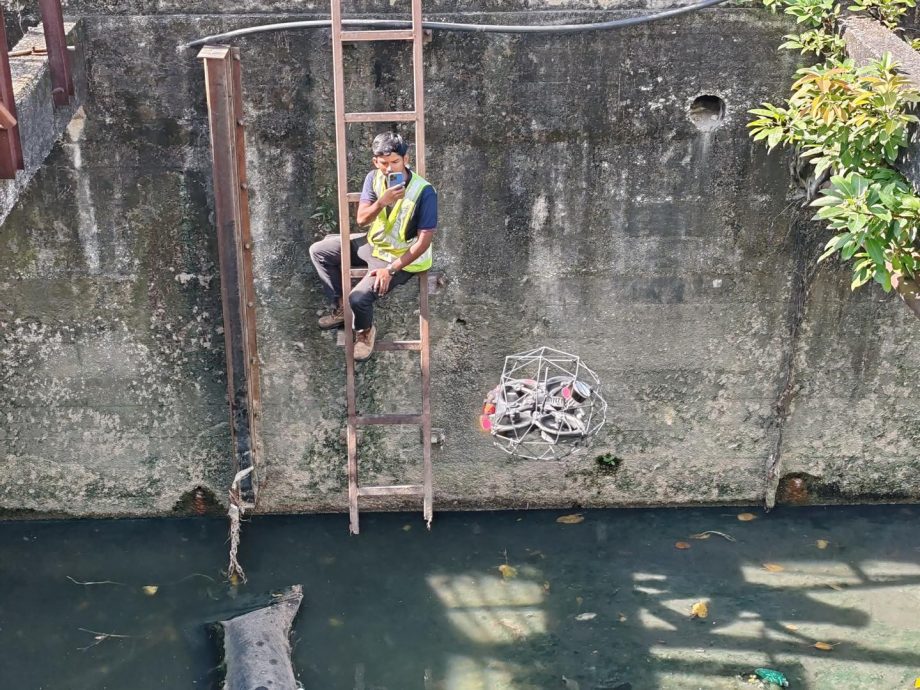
point(235, 512)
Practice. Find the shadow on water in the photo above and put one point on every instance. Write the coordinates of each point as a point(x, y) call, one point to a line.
point(401, 608)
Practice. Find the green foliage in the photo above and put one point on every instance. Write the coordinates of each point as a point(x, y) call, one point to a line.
point(326, 211)
point(876, 219)
point(817, 41)
point(851, 123)
point(609, 461)
point(888, 12)
point(842, 118)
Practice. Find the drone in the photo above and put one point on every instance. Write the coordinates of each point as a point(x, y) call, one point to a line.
point(547, 405)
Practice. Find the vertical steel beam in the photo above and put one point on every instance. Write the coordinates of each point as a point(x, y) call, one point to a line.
point(58, 55)
point(10, 144)
point(234, 244)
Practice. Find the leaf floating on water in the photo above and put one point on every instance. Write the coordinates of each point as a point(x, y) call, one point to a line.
point(622, 617)
point(579, 600)
point(823, 646)
point(682, 545)
point(507, 571)
point(406, 528)
point(336, 622)
point(150, 590)
point(699, 610)
point(773, 567)
point(790, 626)
point(573, 519)
point(746, 517)
point(822, 544)
point(587, 616)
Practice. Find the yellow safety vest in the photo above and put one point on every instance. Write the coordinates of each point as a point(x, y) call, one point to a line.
point(387, 235)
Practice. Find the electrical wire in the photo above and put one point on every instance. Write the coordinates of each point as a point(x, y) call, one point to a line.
point(454, 26)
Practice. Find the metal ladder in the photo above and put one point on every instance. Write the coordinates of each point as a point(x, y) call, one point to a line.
point(340, 37)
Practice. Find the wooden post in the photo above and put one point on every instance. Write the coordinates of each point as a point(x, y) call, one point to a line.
point(234, 242)
point(58, 54)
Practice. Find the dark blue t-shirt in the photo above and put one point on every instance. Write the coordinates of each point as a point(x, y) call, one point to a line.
point(425, 215)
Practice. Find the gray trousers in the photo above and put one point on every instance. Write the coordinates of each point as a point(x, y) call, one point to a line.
point(326, 256)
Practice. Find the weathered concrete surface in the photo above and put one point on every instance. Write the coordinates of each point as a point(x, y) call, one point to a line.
point(41, 124)
point(580, 208)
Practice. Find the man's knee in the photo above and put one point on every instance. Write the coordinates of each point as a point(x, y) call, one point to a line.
point(361, 297)
point(322, 250)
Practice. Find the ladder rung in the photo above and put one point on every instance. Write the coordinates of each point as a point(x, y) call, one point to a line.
point(396, 490)
point(391, 35)
point(385, 345)
point(353, 197)
point(389, 419)
point(391, 345)
point(392, 116)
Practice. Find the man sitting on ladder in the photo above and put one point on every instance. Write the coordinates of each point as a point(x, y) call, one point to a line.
point(397, 245)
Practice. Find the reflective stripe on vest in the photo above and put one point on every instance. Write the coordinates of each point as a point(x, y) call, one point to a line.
point(387, 235)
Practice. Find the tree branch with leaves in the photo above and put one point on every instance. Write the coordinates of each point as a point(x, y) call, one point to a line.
point(850, 124)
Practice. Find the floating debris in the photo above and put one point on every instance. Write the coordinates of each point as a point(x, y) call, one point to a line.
point(507, 571)
point(570, 519)
point(699, 610)
point(708, 533)
point(768, 675)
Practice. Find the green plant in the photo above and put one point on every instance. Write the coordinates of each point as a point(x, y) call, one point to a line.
point(888, 12)
point(326, 211)
point(842, 118)
point(609, 461)
point(850, 125)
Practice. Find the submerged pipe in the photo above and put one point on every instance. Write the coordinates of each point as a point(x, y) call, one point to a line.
point(455, 26)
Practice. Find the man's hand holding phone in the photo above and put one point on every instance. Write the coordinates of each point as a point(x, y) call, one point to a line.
point(396, 189)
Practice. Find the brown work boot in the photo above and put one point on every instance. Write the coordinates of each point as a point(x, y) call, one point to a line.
point(364, 343)
point(334, 319)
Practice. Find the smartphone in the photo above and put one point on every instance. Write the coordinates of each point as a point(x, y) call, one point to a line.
point(395, 179)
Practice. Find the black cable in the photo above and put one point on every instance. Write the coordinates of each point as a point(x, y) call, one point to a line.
point(454, 26)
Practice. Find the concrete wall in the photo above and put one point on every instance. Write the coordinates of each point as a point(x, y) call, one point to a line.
point(581, 208)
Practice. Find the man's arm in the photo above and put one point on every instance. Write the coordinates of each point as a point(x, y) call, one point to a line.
point(367, 211)
point(418, 248)
point(382, 276)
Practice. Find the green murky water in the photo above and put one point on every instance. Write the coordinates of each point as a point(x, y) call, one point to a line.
point(596, 605)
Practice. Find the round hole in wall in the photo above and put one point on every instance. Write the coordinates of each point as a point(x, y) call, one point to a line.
point(706, 112)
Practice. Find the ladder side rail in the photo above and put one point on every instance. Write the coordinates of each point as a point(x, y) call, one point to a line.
point(418, 85)
point(341, 155)
point(424, 365)
point(424, 359)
